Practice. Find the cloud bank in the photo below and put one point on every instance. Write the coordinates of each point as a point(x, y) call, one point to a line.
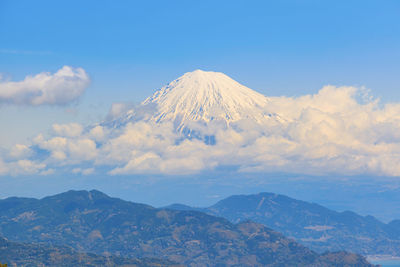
point(339, 130)
point(60, 88)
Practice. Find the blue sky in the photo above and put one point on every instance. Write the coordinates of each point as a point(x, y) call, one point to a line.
point(131, 48)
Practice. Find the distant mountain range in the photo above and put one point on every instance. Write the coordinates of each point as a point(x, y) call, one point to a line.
point(312, 225)
point(93, 222)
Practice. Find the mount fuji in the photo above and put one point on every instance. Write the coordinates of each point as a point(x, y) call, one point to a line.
point(200, 100)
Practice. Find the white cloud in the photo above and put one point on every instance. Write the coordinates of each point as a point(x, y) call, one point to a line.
point(325, 133)
point(64, 150)
point(47, 172)
point(20, 151)
point(22, 166)
point(25, 167)
point(69, 130)
point(28, 166)
point(97, 133)
point(82, 149)
point(60, 88)
point(3, 167)
point(87, 171)
point(118, 109)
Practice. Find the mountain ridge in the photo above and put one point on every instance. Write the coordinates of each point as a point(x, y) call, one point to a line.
point(311, 224)
point(94, 222)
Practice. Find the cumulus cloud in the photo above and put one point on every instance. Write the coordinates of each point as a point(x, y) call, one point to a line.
point(27, 166)
point(86, 171)
point(60, 88)
point(97, 133)
point(3, 167)
point(20, 151)
point(68, 150)
point(118, 109)
point(69, 130)
point(23, 167)
point(17, 162)
point(330, 132)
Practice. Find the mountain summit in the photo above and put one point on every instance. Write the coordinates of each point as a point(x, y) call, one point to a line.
point(201, 98)
point(205, 96)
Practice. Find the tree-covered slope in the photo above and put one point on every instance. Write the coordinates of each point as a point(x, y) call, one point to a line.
point(94, 222)
point(315, 226)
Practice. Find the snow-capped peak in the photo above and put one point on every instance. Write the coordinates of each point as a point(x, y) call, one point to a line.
point(206, 96)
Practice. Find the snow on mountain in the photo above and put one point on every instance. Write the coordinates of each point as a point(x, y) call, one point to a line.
point(206, 96)
point(202, 97)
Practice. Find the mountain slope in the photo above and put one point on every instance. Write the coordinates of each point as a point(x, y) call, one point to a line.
point(315, 226)
point(207, 96)
point(202, 98)
point(94, 222)
point(21, 254)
